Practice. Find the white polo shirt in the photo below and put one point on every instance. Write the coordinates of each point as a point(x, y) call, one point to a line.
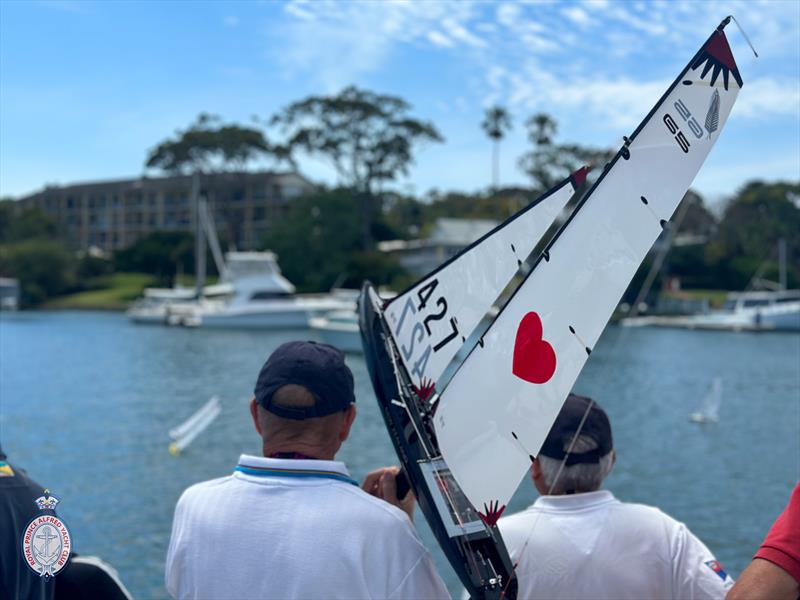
point(594, 546)
point(286, 528)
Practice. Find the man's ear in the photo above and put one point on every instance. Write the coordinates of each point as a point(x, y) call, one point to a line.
point(536, 470)
point(254, 414)
point(347, 422)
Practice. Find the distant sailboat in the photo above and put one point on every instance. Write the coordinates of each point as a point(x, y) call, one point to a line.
point(709, 410)
point(185, 433)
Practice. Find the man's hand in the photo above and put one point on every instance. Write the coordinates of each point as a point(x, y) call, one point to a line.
point(382, 484)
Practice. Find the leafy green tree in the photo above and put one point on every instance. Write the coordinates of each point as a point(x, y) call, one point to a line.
point(496, 123)
point(548, 162)
point(318, 244)
point(157, 253)
point(753, 222)
point(43, 267)
point(208, 148)
point(368, 138)
point(27, 224)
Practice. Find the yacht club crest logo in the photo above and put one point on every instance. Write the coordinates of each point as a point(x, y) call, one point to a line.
point(46, 541)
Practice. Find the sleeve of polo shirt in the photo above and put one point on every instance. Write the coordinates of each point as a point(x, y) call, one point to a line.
point(782, 544)
point(696, 573)
point(422, 582)
point(174, 564)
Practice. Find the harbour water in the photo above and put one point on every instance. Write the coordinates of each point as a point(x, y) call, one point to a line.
point(86, 400)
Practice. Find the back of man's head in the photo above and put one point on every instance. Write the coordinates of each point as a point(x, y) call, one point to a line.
point(579, 450)
point(303, 399)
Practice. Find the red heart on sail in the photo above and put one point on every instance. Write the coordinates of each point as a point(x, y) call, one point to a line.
point(534, 358)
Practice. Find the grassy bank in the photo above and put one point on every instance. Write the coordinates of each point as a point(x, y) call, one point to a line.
point(115, 292)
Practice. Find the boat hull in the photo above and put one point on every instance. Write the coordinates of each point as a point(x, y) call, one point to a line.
point(474, 549)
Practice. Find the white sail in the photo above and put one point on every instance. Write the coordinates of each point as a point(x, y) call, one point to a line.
point(431, 320)
point(205, 419)
point(709, 410)
point(190, 423)
point(496, 411)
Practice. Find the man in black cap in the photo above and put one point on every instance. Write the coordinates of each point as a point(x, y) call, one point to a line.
point(292, 523)
point(578, 541)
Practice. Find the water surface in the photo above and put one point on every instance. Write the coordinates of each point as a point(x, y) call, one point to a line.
point(86, 400)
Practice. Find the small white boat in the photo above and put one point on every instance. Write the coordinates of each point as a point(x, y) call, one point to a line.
point(709, 410)
point(743, 311)
point(151, 307)
point(340, 329)
point(185, 433)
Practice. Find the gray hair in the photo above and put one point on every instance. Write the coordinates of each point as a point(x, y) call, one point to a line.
point(583, 477)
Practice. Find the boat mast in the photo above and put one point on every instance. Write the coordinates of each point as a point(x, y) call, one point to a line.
point(200, 241)
point(782, 263)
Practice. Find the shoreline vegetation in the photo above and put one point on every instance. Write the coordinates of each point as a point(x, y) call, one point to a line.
point(330, 237)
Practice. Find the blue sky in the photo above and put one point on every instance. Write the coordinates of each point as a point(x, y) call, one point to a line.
point(87, 88)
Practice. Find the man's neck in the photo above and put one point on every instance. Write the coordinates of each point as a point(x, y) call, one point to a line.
point(298, 450)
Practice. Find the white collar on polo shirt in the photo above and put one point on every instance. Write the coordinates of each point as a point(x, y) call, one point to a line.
point(568, 502)
point(298, 468)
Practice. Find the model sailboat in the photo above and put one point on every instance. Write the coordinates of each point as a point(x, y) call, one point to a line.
point(466, 442)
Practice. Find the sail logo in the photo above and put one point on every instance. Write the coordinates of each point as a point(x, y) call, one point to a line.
point(421, 331)
point(712, 116)
point(46, 541)
point(534, 358)
point(691, 122)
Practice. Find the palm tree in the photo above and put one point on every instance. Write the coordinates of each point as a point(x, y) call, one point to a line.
point(496, 123)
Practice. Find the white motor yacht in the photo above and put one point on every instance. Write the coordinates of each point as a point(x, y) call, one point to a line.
point(261, 298)
point(764, 310)
point(743, 311)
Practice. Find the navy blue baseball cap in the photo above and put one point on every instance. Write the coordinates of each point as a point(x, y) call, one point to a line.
point(320, 368)
point(596, 426)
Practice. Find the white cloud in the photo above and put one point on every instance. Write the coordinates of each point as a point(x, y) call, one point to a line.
point(577, 16)
point(439, 39)
point(764, 97)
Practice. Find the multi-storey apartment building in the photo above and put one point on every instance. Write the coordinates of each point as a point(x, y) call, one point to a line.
point(114, 214)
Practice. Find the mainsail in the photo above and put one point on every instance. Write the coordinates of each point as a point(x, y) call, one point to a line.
point(497, 409)
point(430, 321)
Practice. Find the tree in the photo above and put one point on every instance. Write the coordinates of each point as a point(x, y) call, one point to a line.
point(496, 123)
point(369, 138)
point(158, 254)
point(43, 267)
point(27, 224)
point(753, 222)
point(207, 148)
point(318, 244)
point(549, 162)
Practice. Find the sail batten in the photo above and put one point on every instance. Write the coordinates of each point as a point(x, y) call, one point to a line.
point(505, 395)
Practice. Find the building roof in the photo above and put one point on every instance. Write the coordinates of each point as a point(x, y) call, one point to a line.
point(446, 232)
point(460, 232)
point(148, 182)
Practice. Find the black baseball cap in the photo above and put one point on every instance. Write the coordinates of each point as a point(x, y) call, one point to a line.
point(596, 426)
point(320, 368)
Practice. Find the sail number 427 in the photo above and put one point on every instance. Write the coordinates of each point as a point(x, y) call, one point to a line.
point(421, 331)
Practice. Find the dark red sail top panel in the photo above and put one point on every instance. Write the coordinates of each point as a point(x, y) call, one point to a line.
point(718, 48)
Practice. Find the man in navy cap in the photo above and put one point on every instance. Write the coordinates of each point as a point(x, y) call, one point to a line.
point(293, 523)
point(579, 541)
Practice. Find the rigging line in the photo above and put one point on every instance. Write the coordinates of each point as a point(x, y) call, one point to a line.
point(747, 39)
point(550, 490)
